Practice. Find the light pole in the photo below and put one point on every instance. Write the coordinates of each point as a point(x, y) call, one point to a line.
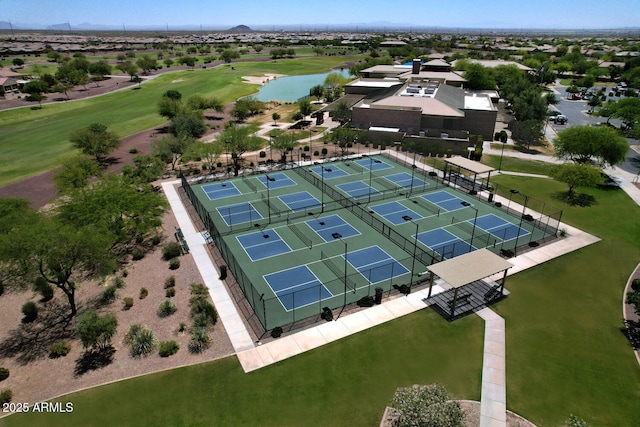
point(226, 144)
point(501, 154)
point(415, 248)
point(370, 173)
point(345, 270)
point(413, 171)
point(270, 150)
point(269, 179)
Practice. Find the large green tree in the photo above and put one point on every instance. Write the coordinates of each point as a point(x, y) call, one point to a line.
point(60, 252)
point(283, 142)
point(577, 175)
point(122, 211)
point(237, 140)
point(478, 77)
point(188, 124)
point(75, 173)
point(583, 144)
point(95, 140)
point(170, 149)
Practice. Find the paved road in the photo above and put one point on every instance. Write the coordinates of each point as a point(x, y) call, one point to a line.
point(576, 112)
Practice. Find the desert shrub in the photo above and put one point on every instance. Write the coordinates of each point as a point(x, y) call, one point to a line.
point(128, 303)
point(59, 349)
point(43, 287)
point(125, 273)
point(30, 311)
point(426, 406)
point(174, 264)
point(170, 282)
point(5, 397)
point(141, 340)
point(109, 295)
point(1, 288)
point(200, 320)
point(133, 151)
point(119, 283)
point(198, 289)
point(155, 240)
point(202, 306)
point(143, 293)
point(4, 374)
point(200, 340)
point(166, 308)
point(182, 328)
point(168, 348)
point(137, 254)
point(635, 285)
point(170, 293)
point(171, 250)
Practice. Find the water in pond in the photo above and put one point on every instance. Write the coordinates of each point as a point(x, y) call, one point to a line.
point(292, 88)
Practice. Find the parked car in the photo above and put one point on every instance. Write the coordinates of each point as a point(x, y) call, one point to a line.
point(560, 119)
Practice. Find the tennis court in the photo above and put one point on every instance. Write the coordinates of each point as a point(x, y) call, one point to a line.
point(373, 164)
point(395, 212)
point(239, 213)
point(220, 190)
point(358, 189)
point(375, 264)
point(445, 243)
point(446, 201)
point(332, 227)
point(500, 228)
point(297, 287)
point(328, 172)
point(277, 180)
point(263, 244)
point(299, 201)
point(406, 180)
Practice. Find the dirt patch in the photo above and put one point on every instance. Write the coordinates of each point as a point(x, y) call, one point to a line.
point(24, 347)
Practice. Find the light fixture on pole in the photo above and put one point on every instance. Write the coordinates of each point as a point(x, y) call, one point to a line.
point(269, 179)
point(415, 247)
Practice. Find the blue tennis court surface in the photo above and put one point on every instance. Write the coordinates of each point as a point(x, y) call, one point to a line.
point(239, 213)
point(219, 190)
point(299, 201)
point(445, 200)
point(332, 227)
point(297, 287)
point(375, 264)
point(276, 180)
point(445, 243)
point(373, 164)
point(357, 189)
point(263, 244)
point(395, 212)
point(330, 172)
point(404, 180)
point(499, 227)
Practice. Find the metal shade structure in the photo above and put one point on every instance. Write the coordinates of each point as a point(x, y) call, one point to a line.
point(468, 268)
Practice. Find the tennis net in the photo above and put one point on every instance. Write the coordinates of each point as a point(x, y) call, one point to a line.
point(306, 240)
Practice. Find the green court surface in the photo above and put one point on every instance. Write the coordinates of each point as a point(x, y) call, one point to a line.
point(326, 235)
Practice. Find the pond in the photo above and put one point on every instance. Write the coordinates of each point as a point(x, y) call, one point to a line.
point(292, 88)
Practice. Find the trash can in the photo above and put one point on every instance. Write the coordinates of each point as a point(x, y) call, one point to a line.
point(378, 297)
point(223, 272)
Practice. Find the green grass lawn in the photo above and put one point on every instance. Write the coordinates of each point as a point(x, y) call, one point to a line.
point(34, 141)
point(346, 383)
point(514, 164)
point(565, 351)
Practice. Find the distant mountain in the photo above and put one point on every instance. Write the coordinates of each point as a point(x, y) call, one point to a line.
point(59, 27)
point(240, 29)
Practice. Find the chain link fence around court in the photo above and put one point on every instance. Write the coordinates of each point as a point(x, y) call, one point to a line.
point(536, 213)
point(355, 286)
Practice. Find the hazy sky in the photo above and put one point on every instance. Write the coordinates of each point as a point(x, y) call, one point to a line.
point(549, 14)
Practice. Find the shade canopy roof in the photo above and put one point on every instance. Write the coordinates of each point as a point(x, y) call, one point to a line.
point(467, 268)
point(470, 165)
